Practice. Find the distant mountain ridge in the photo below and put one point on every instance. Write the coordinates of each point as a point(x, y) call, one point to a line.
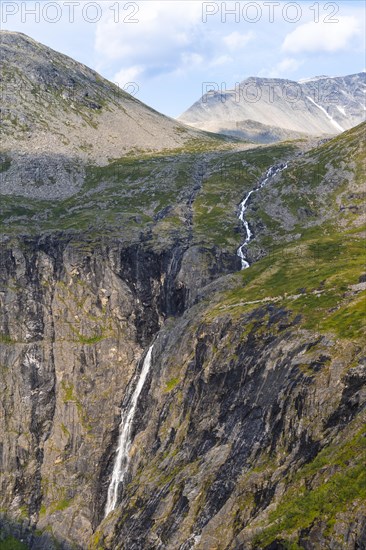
point(272, 109)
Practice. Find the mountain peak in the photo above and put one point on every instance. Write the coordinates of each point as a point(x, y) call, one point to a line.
point(54, 104)
point(314, 78)
point(273, 109)
point(59, 111)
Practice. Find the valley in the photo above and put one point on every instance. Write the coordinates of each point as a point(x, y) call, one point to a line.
point(154, 394)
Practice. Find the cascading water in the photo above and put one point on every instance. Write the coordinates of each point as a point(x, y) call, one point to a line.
point(271, 172)
point(127, 415)
point(124, 442)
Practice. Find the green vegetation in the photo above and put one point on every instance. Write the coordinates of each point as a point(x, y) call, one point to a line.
point(310, 279)
point(124, 194)
point(150, 190)
point(171, 384)
point(61, 505)
point(10, 543)
point(70, 397)
point(301, 506)
point(6, 339)
point(43, 510)
point(234, 174)
point(90, 341)
point(316, 275)
point(97, 541)
point(5, 164)
point(68, 390)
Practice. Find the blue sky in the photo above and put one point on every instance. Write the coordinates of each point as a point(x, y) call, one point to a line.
point(170, 49)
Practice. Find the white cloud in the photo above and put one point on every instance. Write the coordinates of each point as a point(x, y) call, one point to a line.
point(221, 60)
point(283, 69)
point(237, 40)
point(164, 31)
point(188, 61)
point(130, 74)
point(327, 37)
point(192, 59)
point(286, 66)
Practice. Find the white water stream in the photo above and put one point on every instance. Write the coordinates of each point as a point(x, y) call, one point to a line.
point(128, 413)
point(124, 442)
point(271, 172)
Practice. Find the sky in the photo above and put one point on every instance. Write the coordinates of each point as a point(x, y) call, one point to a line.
point(168, 53)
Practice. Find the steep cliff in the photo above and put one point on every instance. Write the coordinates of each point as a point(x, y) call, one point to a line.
point(249, 430)
point(252, 432)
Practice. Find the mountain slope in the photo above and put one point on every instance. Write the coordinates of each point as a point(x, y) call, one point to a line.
point(258, 394)
point(52, 104)
point(249, 431)
point(58, 116)
point(264, 109)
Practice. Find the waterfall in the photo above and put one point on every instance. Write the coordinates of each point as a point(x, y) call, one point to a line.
point(271, 172)
point(124, 441)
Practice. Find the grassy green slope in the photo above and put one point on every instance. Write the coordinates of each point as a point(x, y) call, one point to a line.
point(313, 274)
point(318, 276)
point(318, 272)
point(199, 185)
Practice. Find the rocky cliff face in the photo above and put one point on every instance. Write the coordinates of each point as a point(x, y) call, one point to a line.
point(74, 324)
point(232, 429)
point(249, 432)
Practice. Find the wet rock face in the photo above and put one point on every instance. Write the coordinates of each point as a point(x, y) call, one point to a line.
point(75, 320)
point(212, 454)
point(152, 278)
point(232, 409)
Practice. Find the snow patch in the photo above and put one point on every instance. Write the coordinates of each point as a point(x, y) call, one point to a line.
point(334, 122)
